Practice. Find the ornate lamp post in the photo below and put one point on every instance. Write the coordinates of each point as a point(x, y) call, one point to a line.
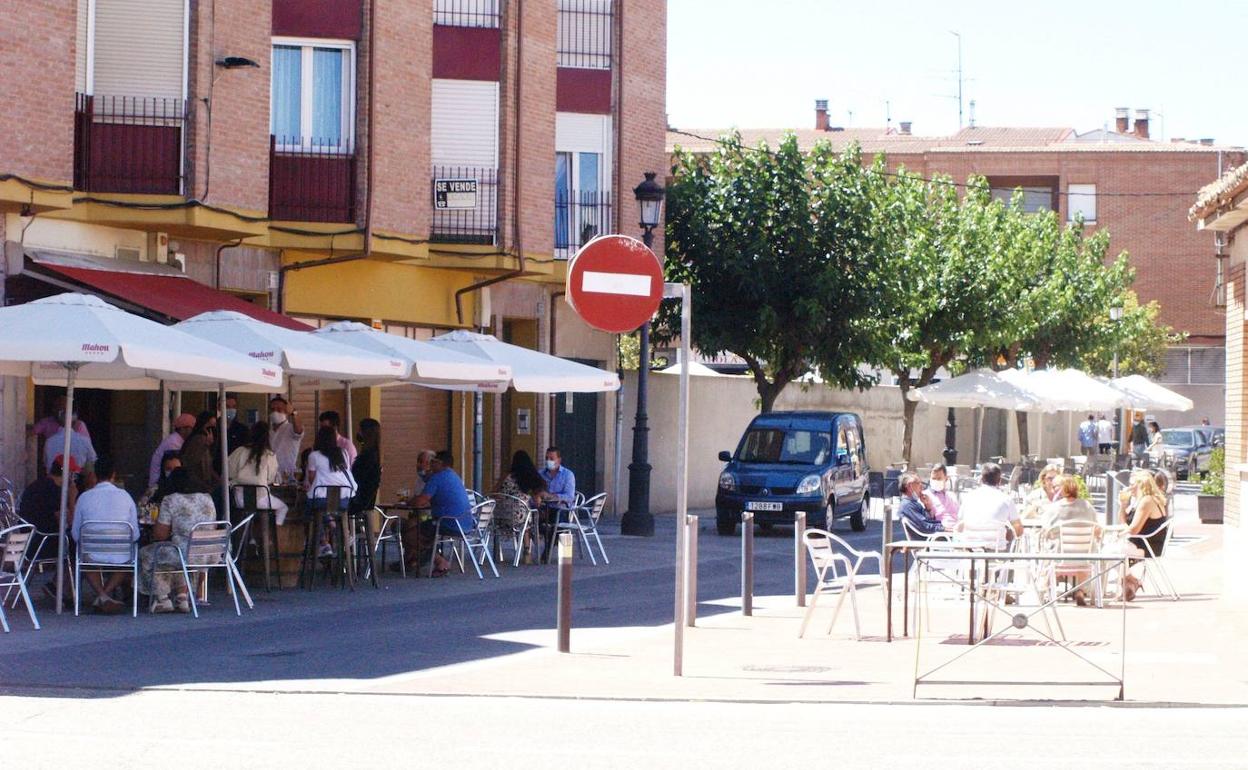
point(638, 520)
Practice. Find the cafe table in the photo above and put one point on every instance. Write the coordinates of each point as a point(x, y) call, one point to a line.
point(906, 548)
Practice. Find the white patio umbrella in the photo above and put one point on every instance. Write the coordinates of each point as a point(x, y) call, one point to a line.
point(531, 371)
point(1065, 390)
point(1142, 393)
point(695, 370)
point(977, 389)
point(76, 339)
point(428, 364)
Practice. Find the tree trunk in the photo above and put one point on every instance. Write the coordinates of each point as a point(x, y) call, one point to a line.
point(1023, 444)
point(907, 437)
point(768, 392)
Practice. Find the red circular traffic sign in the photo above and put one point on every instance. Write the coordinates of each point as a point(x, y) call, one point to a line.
point(615, 283)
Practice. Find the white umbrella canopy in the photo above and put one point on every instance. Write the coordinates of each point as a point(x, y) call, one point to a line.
point(1065, 390)
point(696, 370)
point(977, 388)
point(531, 371)
point(1142, 393)
point(77, 339)
point(428, 364)
point(301, 354)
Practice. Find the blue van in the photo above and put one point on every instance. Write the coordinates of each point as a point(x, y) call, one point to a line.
point(796, 461)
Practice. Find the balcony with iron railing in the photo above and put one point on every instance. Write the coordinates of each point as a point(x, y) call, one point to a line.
point(311, 181)
point(465, 205)
point(584, 34)
point(129, 144)
point(467, 13)
point(579, 218)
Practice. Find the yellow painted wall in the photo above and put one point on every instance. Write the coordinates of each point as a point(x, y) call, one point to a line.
point(368, 289)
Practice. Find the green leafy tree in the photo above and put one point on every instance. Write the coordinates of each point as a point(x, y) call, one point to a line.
point(776, 245)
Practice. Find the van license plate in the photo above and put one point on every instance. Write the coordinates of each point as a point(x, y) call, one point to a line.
point(755, 505)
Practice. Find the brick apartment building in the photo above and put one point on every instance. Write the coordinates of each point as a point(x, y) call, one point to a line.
point(419, 165)
point(1121, 180)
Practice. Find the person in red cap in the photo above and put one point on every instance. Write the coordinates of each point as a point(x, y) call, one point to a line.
point(182, 427)
point(40, 507)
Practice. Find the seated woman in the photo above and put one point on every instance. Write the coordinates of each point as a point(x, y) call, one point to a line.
point(942, 504)
point(1142, 507)
point(169, 462)
point(180, 510)
point(1042, 493)
point(327, 467)
point(523, 488)
point(1068, 506)
point(255, 464)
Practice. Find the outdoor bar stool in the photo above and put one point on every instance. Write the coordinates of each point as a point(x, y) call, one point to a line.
point(14, 547)
point(315, 527)
point(252, 495)
point(361, 556)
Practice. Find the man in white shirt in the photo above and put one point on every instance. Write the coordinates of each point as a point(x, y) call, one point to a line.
point(1105, 434)
point(287, 435)
point(80, 448)
point(182, 428)
point(988, 503)
point(105, 502)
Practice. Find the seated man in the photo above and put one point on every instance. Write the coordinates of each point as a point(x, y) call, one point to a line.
point(106, 502)
point(447, 498)
point(988, 503)
point(560, 492)
point(40, 507)
point(914, 513)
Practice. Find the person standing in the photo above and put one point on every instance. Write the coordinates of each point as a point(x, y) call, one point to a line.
point(80, 448)
point(287, 435)
point(236, 431)
point(1105, 434)
point(1139, 438)
point(367, 466)
point(1088, 436)
point(182, 427)
point(330, 419)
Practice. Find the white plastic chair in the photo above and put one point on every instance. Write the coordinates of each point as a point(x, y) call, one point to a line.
point(836, 565)
point(1154, 559)
point(107, 546)
point(14, 546)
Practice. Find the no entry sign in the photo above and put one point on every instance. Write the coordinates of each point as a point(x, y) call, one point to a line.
point(615, 283)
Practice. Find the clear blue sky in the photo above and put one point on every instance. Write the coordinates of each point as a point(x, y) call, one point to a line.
point(762, 63)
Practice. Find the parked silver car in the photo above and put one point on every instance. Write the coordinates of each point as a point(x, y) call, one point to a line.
point(1187, 450)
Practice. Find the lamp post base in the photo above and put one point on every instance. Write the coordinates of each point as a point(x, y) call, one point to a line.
point(637, 524)
point(637, 521)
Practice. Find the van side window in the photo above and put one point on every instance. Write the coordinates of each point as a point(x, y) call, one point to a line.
point(854, 444)
point(844, 449)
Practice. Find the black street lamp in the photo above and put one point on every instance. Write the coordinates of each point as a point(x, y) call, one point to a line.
point(638, 520)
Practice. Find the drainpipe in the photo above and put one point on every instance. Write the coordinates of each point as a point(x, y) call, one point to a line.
point(368, 131)
point(515, 214)
point(216, 279)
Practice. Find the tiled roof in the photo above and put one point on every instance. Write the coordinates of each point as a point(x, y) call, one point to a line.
point(977, 139)
point(1222, 192)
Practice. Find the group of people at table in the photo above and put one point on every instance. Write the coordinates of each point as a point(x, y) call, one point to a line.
point(934, 509)
point(184, 483)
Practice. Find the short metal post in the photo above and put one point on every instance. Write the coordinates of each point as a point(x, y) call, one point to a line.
point(747, 563)
point(691, 577)
point(564, 592)
point(799, 558)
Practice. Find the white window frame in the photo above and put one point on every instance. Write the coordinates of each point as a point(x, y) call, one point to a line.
point(1086, 192)
point(307, 44)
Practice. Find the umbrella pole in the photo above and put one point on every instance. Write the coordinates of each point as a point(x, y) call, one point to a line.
point(979, 434)
point(66, 479)
point(346, 390)
point(164, 409)
point(478, 438)
point(222, 430)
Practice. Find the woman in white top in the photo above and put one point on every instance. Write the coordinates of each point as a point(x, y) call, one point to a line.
point(327, 467)
point(255, 464)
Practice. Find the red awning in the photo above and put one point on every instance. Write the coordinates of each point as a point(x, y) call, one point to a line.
point(173, 296)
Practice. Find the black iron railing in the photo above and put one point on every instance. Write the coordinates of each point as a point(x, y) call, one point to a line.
point(465, 205)
point(467, 13)
point(584, 34)
point(129, 144)
point(311, 181)
point(580, 217)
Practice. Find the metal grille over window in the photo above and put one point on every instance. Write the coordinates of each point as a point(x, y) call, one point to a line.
point(129, 144)
point(1195, 366)
point(579, 218)
point(465, 205)
point(467, 13)
point(584, 35)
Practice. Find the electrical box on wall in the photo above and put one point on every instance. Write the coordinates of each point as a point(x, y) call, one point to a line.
point(158, 247)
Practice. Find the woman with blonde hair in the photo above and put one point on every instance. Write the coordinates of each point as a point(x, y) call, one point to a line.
point(1142, 507)
point(1068, 506)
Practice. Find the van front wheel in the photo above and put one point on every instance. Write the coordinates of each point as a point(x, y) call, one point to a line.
point(858, 519)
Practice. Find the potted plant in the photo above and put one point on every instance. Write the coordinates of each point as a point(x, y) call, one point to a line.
point(1209, 501)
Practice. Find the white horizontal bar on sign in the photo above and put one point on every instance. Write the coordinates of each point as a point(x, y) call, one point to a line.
point(616, 283)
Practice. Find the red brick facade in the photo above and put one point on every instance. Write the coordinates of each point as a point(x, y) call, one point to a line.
point(37, 49)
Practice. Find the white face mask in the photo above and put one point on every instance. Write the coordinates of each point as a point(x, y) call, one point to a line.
point(938, 485)
point(552, 464)
point(277, 418)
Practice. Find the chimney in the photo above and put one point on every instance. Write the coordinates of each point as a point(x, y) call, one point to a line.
point(1141, 123)
point(1121, 121)
point(821, 114)
point(1206, 141)
point(905, 127)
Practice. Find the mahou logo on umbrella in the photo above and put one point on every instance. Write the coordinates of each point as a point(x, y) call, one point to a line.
point(96, 348)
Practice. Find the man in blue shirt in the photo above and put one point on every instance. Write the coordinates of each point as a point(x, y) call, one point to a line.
point(560, 493)
point(444, 494)
point(1088, 435)
point(914, 513)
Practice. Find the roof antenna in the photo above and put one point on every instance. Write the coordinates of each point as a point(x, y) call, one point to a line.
point(971, 124)
point(888, 117)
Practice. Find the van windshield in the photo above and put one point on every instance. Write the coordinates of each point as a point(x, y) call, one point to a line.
point(789, 446)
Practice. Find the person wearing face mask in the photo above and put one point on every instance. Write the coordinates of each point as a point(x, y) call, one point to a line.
point(237, 433)
point(287, 435)
point(914, 513)
point(940, 501)
point(182, 427)
point(560, 492)
point(197, 454)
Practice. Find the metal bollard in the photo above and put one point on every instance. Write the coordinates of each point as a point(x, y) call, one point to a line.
point(747, 563)
point(564, 593)
point(691, 577)
point(799, 558)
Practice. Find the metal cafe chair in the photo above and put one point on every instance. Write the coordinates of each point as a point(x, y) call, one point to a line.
point(836, 564)
point(518, 531)
point(390, 531)
point(107, 546)
point(207, 548)
point(14, 547)
point(583, 520)
point(475, 546)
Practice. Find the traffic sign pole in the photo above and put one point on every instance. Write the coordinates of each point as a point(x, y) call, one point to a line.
point(682, 473)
